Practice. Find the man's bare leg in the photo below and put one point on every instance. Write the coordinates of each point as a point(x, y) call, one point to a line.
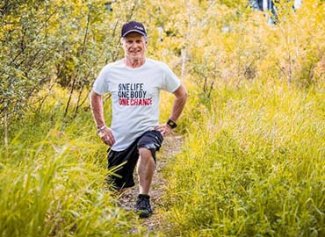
point(145, 169)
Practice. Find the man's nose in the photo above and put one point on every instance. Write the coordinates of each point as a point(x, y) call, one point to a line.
point(133, 44)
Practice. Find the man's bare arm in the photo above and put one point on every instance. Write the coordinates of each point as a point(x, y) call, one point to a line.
point(179, 102)
point(96, 102)
point(105, 133)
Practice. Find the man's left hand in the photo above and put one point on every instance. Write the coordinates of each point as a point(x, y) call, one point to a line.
point(164, 129)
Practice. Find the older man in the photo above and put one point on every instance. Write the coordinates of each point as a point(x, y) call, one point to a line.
point(134, 134)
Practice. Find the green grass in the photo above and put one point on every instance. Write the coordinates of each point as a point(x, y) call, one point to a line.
point(253, 165)
point(53, 181)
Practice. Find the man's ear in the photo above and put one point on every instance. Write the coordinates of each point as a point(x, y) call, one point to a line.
point(145, 39)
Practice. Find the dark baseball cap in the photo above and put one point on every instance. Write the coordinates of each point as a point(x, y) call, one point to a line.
point(133, 26)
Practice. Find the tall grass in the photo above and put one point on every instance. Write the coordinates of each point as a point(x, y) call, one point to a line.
point(253, 159)
point(253, 165)
point(53, 180)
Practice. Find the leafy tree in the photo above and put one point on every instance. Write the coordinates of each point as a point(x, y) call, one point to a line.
point(27, 50)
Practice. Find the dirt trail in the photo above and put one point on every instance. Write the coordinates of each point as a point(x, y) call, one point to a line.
point(171, 146)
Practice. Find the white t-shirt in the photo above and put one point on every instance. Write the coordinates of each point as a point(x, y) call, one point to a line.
point(135, 97)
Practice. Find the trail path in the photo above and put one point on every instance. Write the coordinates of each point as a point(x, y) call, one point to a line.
point(171, 146)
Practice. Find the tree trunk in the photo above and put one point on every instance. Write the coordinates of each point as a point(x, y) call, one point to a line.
point(70, 97)
point(6, 130)
point(78, 101)
point(184, 58)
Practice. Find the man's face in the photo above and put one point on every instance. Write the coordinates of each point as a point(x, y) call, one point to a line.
point(134, 45)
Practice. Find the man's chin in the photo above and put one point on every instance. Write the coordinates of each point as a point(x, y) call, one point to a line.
point(136, 57)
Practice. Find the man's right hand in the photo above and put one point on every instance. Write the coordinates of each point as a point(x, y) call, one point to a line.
point(106, 135)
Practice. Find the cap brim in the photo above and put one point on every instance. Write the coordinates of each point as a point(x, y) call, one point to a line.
point(133, 30)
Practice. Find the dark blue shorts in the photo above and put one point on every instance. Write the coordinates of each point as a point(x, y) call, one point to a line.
point(122, 163)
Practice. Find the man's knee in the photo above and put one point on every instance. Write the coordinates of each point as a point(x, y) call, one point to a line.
point(145, 153)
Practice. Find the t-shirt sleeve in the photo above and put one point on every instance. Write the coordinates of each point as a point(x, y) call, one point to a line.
point(101, 84)
point(171, 81)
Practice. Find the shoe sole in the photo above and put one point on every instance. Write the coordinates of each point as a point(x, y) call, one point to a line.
point(144, 214)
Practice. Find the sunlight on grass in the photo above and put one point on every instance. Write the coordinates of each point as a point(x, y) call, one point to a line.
point(53, 182)
point(254, 164)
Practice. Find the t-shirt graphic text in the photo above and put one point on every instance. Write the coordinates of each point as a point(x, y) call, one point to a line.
point(133, 94)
